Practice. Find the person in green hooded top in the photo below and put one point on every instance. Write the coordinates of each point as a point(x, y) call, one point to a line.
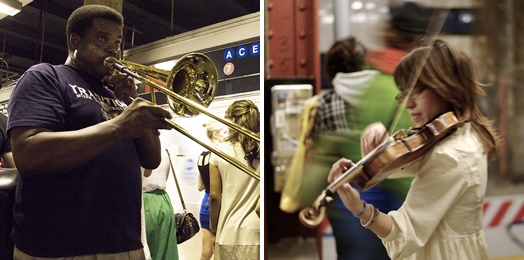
point(359, 96)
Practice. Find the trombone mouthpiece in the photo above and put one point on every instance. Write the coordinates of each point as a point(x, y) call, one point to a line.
point(121, 68)
point(108, 65)
point(118, 67)
point(114, 65)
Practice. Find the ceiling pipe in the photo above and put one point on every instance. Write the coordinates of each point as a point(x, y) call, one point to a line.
point(43, 15)
point(172, 16)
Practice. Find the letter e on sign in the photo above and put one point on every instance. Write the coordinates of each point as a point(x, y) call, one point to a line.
point(229, 68)
point(254, 49)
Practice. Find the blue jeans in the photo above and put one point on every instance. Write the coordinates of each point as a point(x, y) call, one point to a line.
point(353, 241)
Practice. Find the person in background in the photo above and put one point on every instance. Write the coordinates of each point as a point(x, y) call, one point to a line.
point(158, 211)
point(143, 232)
point(78, 143)
point(358, 97)
point(408, 24)
point(5, 144)
point(234, 194)
point(9, 177)
point(216, 132)
point(441, 217)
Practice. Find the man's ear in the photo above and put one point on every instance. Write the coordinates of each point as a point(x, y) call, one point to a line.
point(215, 135)
point(74, 40)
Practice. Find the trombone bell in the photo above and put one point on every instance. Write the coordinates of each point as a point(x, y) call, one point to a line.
point(194, 77)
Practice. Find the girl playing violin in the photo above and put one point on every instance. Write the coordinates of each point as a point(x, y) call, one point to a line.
point(441, 217)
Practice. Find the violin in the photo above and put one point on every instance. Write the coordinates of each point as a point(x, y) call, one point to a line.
point(400, 150)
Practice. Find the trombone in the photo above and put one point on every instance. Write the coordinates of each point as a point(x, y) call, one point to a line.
point(194, 78)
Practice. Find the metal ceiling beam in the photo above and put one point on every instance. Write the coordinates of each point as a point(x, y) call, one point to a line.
point(139, 11)
point(32, 39)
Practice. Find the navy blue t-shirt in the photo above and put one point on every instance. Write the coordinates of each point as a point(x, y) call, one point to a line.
point(94, 208)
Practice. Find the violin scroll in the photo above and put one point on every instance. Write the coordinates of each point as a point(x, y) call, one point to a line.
point(311, 217)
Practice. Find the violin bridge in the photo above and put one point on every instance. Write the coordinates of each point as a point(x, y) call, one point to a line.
point(400, 135)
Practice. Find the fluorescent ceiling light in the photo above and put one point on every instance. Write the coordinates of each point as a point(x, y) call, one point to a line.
point(357, 5)
point(10, 7)
point(370, 6)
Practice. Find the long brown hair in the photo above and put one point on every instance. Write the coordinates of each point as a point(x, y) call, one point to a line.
point(450, 73)
point(245, 113)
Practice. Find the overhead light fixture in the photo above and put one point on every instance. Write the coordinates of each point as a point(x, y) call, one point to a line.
point(10, 7)
point(357, 5)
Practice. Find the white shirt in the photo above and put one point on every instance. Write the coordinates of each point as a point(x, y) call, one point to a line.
point(441, 217)
point(158, 177)
point(238, 221)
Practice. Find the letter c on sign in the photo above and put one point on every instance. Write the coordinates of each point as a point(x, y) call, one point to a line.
point(242, 51)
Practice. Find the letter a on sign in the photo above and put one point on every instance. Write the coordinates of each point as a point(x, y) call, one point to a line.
point(229, 54)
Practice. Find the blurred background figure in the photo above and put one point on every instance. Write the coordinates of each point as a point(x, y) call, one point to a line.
point(366, 102)
point(216, 132)
point(5, 144)
point(359, 96)
point(158, 211)
point(234, 195)
point(408, 23)
point(9, 177)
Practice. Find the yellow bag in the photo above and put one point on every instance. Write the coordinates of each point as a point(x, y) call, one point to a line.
point(292, 194)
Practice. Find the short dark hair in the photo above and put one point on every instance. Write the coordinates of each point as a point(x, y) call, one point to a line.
point(410, 20)
point(81, 19)
point(345, 55)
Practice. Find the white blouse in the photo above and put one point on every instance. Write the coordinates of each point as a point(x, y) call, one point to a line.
point(441, 217)
point(238, 222)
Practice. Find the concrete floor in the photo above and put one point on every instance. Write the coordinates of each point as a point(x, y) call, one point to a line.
point(297, 248)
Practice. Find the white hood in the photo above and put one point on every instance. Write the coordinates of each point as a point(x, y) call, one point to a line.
point(352, 86)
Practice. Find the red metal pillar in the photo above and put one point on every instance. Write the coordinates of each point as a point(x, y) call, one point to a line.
point(292, 52)
point(293, 39)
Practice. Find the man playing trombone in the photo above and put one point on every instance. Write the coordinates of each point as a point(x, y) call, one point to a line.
point(79, 147)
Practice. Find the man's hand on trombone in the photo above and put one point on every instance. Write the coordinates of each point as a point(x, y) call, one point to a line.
point(141, 116)
point(123, 85)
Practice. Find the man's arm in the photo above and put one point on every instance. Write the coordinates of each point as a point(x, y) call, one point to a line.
point(149, 150)
point(40, 151)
